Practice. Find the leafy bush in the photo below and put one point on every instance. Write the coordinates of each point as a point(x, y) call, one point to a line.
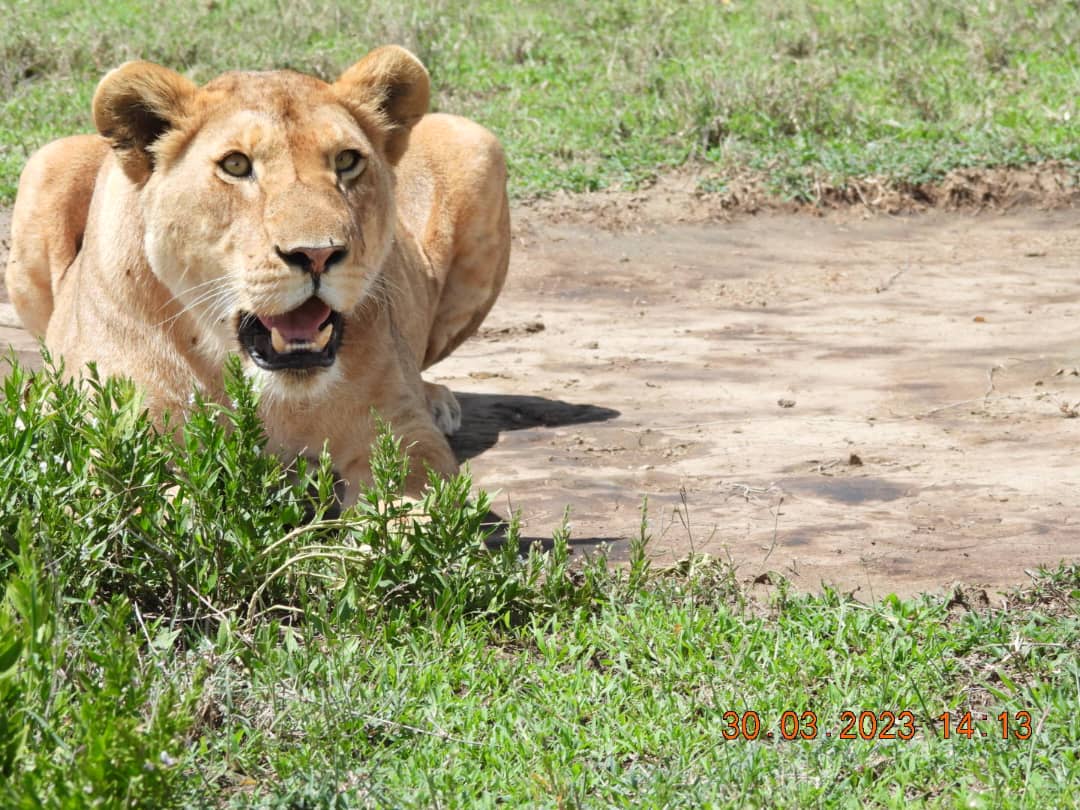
point(113, 534)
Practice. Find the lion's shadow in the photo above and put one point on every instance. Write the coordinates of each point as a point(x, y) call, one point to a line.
point(485, 416)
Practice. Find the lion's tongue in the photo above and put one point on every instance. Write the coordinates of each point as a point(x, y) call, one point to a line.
point(301, 325)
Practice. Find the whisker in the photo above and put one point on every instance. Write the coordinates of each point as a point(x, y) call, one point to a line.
point(221, 291)
point(192, 288)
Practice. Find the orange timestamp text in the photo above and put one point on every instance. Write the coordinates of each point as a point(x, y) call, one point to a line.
point(873, 725)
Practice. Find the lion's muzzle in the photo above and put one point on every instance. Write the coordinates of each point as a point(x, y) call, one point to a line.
point(306, 337)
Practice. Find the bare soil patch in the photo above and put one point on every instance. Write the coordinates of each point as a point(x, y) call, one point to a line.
point(884, 404)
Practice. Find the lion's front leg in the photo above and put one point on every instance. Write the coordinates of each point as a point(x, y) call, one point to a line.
point(48, 223)
point(413, 424)
point(452, 196)
point(428, 452)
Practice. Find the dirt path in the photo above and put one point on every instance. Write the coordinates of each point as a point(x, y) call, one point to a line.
point(882, 405)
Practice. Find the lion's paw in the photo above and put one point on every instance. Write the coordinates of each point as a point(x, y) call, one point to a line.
point(445, 409)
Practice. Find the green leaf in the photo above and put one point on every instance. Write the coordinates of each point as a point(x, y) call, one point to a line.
point(9, 656)
point(165, 639)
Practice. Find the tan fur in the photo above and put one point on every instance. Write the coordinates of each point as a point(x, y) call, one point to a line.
point(141, 257)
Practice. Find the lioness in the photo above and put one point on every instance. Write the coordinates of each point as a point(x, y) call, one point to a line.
point(334, 235)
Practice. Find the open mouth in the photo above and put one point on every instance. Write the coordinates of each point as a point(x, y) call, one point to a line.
point(306, 337)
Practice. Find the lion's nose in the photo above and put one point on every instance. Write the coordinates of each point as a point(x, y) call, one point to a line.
point(313, 260)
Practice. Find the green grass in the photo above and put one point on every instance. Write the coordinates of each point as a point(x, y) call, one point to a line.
point(587, 95)
point(174, 634)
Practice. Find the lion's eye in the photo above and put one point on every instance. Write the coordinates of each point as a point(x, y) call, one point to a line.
point(348, 162)
point(236, 164)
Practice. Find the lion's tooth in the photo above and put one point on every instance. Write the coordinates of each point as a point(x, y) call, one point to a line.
point(323, 337)
point(277, 340)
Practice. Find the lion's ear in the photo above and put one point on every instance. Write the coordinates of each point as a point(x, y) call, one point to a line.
point(393, 86)
point(134, 105)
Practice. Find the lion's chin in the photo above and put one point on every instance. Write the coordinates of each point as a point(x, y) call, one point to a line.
point(292, 388)
point(296, 342)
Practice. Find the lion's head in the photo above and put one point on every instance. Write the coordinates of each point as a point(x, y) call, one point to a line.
point(267, 199)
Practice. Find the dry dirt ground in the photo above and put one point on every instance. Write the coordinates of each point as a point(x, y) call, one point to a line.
point(884, 404)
